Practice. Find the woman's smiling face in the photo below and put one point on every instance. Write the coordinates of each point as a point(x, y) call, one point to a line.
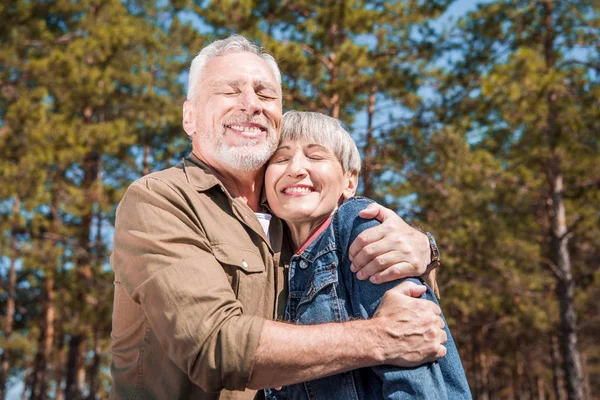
point(305, 182)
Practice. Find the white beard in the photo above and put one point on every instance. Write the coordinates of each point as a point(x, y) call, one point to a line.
point(248, 156)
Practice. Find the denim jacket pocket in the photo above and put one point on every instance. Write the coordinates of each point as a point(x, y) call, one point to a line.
point(321, 279)
point(320, 301)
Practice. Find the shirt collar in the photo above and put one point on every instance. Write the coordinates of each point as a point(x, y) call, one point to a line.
point(198, 174)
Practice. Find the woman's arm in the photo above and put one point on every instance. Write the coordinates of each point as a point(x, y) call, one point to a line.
point(439, 380)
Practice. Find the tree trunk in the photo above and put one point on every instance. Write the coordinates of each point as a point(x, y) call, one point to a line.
point(10, 301)
point(95, 367)
point(484, 376)
point(557, 372)
point(559, 234)
point(8, 324)
point(76, 347)
point(540, 388)
point(60, 362)
point(587, 386)
point(367, 173)
point(39, 389)
point(75, 375)
point(145, 161)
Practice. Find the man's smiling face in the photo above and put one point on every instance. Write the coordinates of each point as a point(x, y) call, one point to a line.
point(236, 112)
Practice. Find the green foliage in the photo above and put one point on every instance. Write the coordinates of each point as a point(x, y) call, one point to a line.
point(454, 127)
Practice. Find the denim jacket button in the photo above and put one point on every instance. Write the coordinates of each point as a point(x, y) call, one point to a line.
point(303, 264)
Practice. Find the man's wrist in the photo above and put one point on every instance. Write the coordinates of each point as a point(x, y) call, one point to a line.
point(434, 253)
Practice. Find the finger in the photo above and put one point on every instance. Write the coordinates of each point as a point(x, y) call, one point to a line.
point(410, 289)
point(382, 270)
point(376, 211)
point(370, 212)
point(394, 272)
point(440, 353)
point(441, 324)
point(444, 337)
point(435, 308)
point(379, 263)
point(365, 238)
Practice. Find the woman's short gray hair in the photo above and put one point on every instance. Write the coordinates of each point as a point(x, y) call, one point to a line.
point(319, 128)
point(232, 44)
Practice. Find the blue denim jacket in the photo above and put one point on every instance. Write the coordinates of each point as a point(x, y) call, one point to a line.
point(323, 289)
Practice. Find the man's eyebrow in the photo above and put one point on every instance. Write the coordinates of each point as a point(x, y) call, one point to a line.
point(257, 84)
point(260, 84)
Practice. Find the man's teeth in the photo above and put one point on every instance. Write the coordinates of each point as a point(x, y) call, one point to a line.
point(298, 190)
point(249, 129)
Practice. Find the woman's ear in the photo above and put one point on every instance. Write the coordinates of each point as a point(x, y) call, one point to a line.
point(351, 184)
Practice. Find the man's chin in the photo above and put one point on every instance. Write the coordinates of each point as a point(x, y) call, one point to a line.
point(245, 159)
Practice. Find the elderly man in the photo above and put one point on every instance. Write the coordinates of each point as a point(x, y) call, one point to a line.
point(200, 267)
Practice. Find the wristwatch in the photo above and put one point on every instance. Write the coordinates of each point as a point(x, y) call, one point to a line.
point(435, 253)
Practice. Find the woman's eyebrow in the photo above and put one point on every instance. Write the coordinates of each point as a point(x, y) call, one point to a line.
point(282, 148)
point(310, 146)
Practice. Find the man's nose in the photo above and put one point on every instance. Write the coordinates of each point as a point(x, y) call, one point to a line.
point(250, 103)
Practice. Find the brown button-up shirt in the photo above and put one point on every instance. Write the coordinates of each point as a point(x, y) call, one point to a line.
point(195, 277)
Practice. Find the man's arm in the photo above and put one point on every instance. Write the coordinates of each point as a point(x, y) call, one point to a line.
point(392, 250)
point(405, 331)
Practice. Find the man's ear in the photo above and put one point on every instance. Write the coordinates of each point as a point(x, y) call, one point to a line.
point(189, 122)
point(351, 180)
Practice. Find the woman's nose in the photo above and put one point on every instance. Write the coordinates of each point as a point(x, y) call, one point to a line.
point(297, 167)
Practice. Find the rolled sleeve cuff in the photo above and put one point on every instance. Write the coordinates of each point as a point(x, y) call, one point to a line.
point(238, 364)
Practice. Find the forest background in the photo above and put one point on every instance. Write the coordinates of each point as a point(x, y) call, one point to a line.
point(482, 129)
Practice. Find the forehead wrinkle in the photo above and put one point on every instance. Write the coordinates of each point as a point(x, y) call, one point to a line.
point(227, 82)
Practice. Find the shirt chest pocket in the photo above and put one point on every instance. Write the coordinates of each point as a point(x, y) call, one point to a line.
point(245, 270)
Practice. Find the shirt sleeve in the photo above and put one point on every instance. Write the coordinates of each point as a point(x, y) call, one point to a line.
point(163, 260)
point(424, 381)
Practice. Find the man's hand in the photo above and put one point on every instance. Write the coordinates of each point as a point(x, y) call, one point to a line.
point(412, 329)
point(390, 251)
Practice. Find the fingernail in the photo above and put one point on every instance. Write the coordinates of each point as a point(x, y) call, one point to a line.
point(352, 268)
point(359, 275)
point(373, 279)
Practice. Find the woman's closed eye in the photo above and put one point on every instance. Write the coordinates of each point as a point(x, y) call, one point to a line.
point(279, 160)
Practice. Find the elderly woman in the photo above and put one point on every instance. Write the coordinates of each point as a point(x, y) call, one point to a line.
point(310, 182)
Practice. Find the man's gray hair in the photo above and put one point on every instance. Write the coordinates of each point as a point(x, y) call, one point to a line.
point(319, 128)
point(232, 44)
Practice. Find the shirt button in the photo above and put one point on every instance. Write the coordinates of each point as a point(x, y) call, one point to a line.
point(303, 264)
point(244, 264)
